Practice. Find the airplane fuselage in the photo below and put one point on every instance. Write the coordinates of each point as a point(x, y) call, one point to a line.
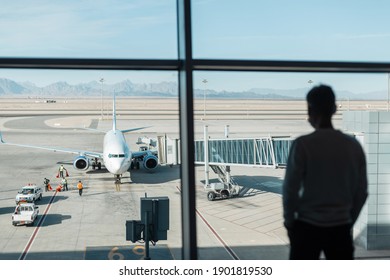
point(116, 153)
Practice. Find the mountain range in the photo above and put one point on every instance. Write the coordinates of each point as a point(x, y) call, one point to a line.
point(162, 90)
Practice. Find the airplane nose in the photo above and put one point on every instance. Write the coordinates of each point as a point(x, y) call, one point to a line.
point(120, 166)
point(115, 167)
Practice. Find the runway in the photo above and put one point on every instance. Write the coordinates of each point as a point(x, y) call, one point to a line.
point(92, 226)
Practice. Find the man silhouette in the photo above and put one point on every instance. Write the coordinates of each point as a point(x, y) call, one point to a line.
point(325, 185)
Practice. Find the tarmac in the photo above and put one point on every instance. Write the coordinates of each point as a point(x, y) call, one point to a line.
point(92, 226)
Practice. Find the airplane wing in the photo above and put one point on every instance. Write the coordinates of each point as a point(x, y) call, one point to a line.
point(134, 129)
point(54, 149)
point(123, 130)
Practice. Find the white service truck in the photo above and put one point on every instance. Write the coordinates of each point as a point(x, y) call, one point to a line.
point(29, 193)
point(25, 214)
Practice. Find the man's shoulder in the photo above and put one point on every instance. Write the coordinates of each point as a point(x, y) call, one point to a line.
point(348, 137)
point(326, 134)
point(304, 137)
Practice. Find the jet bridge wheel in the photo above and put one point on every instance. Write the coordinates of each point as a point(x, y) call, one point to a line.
point(211, 196)
point(225, 194)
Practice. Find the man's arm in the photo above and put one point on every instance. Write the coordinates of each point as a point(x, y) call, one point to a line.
point(361, 192)
point(292, 183)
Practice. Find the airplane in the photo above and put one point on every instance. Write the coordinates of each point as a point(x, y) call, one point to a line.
point(116, 156)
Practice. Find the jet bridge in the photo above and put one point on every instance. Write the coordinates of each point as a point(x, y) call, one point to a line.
point(220, 154)
point(264, 152)
point(270, 152)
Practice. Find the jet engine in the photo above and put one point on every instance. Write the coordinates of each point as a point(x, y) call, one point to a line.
point(81, 163)
point(150, 162)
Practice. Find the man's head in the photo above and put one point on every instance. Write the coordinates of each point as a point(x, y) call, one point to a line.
point(321, 103)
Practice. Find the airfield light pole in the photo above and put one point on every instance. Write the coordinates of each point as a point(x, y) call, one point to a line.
point(101, 91)
point(204, 99)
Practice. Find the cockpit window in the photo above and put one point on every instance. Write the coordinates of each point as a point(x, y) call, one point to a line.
point(116, 155)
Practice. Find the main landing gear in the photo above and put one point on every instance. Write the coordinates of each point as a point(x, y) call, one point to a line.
point(134, 164)
point(96, 164)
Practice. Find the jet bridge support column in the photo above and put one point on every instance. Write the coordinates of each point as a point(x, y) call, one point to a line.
point(227, 131)
point(228, 178)
point(206, 155)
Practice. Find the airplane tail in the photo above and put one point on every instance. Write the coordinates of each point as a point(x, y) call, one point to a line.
point(113, 115)
point(114, 119)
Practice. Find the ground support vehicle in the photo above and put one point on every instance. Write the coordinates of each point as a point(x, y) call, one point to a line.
point(29, 193)
point(25, 214)
point(221, 190)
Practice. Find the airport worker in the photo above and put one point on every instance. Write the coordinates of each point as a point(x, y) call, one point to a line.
point(61, 171)
point(325, 185)
point(64, 183)
point(46, 183)
point(80, 188)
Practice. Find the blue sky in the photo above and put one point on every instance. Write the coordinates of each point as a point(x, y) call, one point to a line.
point(327, 30)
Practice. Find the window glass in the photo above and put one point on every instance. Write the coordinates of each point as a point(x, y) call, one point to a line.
point(291, 30)
point(72, 110)
point(88, 29)
point(241, 111)
point(250, 120)
point(272, 85)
